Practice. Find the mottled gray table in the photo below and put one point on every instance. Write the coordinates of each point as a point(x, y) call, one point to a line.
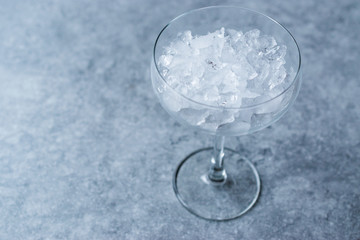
point(86, 151)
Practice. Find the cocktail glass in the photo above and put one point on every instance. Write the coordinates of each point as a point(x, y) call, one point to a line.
point(219, 183)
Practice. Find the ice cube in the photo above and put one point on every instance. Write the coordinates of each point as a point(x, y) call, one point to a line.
point(230, 99)
point(249, 94)
point(210, 40)
point(171, 102)
point(271, 106)
point(211, 94)
point(277, 53)
point(219, 42)
point(243, 69)
point(275, 65)
point(193, 116)
point(216, 119)
point(251, 36)
point(228, 55)
point(234, 35)
point(251, 101)
point(277, 78)
point(165, 60)
point(229, 80)
point(259, 120)
point(186, 37)
point(263, 70)
point(201, 42)
point(180, 48)
point(244, 115)
point(265, 42)
point(197, 70)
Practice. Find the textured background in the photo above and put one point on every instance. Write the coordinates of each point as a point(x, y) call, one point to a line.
point(86, 151)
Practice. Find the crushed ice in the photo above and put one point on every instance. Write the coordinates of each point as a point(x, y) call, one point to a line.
point(225, 68)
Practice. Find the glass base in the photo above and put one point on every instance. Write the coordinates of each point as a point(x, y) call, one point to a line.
point(212, 201)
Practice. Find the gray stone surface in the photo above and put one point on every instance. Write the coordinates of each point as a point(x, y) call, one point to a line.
point(86, 151)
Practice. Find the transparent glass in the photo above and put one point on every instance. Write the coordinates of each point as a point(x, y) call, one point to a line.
point(218, 183)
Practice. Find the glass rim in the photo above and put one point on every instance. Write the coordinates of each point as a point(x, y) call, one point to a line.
point(295, 79)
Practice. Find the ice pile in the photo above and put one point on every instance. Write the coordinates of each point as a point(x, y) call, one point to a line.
point(225, 68)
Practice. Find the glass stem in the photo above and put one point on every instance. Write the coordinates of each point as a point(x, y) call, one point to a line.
point(217, 174)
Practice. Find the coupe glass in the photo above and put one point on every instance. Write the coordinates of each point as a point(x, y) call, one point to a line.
point(218, 183)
